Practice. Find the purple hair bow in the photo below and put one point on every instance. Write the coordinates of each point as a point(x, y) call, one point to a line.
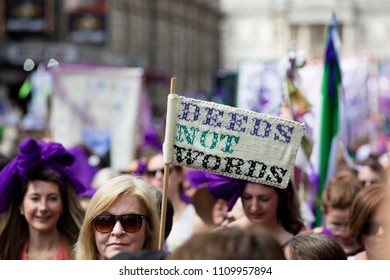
point(151, 139)
point(33, 155)
point(84, 171)
point(226, 188)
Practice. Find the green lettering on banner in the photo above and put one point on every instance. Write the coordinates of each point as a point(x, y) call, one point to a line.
point(229, 138)
point(214, 140)
point(231, 141)
point(183, 132)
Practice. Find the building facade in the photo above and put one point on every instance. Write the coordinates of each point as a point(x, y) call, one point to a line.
point(263, 30)
point(165, 37)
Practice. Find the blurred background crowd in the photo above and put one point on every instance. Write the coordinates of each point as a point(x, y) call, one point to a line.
point(94, 75)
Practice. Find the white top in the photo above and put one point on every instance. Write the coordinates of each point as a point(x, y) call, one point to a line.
point(181, 228)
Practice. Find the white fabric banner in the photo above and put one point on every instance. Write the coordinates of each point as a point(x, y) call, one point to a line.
point(260, 87)
point(229, 141)
point(97, 106)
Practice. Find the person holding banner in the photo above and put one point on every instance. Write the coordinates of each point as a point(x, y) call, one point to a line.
point(274, 209)
point(122, 216)
point(211, 212)
point(39, 204)
point(265, 206)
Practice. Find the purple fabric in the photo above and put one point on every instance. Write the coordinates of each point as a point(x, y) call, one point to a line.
point(312, 193)
point(226, 188)
point(327, 232)
point(82, 170)
point(197, 178)
point(33, 155)
point(331, 57)
point(89, 192)
point(185, 198)
point(151, 139)
point(141, 168)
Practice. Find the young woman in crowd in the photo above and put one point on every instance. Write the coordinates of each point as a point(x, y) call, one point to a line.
point(336, 203)
point(272, 208)
point(39, 203)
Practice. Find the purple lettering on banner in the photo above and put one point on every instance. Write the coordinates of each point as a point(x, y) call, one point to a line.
point(256, 130)
point(190, 112)
point(236, 122)
point(286, 135)
point(212, 117)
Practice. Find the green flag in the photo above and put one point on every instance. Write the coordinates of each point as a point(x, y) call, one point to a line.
point(331, 85)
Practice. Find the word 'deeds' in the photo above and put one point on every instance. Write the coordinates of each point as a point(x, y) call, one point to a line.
point(230, 141)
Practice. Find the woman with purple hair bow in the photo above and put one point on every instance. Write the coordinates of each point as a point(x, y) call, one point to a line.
point(272, 208)
point(39, 204)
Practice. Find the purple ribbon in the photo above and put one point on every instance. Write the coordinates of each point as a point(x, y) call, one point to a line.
point(151, 139)
point(84, 171)
point(226, 188)
point(32, 156)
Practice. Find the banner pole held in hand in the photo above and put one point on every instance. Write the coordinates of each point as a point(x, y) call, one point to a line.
point(165, 185)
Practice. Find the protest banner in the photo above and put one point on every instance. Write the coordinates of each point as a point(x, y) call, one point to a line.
point(260, 87)
point(98, 106)
point(230, 141)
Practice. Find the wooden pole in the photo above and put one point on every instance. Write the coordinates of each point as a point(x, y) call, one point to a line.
point(161, 240)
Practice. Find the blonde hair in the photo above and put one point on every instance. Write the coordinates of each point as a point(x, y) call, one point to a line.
point(104, 197)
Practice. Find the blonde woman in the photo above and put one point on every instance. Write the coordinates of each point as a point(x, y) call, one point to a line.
point(121, 217)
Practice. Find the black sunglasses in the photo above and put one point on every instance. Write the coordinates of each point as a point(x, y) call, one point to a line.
point(152, 173)
point(130, 222)
point(368, 182)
